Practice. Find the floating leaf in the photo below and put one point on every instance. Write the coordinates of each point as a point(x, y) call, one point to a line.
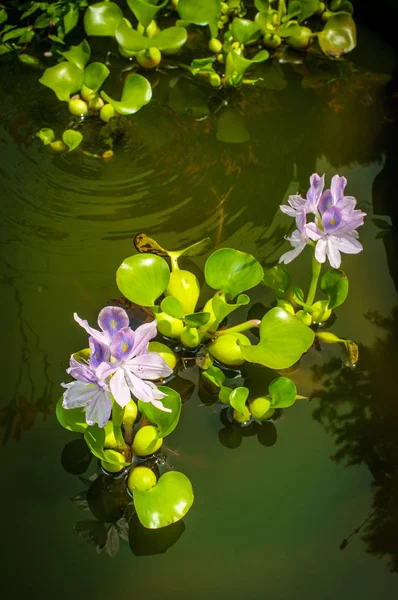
point(215, 375)
point(221, 308)
point(133, 41)
point(231, 127)
point(283, 340)
point(145, 10)
point(136, 93)
point(46, 135)
point(237, 399)
point(73, 419)
point(245, 31)
point(142, 278)
point(197, 319)
point(232, 271)
point(64, 79)
point(204, 12)
point(72, 139)
point(238, 64)
point(335, 285)
point(202, 65)
point(95, 439)
point(166, 422)
point(277, 278)
point(338, 36)
point(78, 55)
point(166, 503)
point(172, 306)
point(95, 75)
point(102, 19)
point(283, 392)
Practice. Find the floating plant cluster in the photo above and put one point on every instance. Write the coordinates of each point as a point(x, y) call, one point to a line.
point(234, 38)
point(118, 397)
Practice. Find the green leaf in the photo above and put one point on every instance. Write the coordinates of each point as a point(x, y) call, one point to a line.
point(341, 6)
point(166, 422)
point(132, 40)
point(197, 319)
point(72, 139)
point(199, 13)
point(335, 285)
point(277, 278)
point(238, 64)
point(102, 19)
point(166, 503)
point(231, 127)
point(71, 18)
point(245, 31)
point(95, 439)
point(172, 306)
point(283, 340)
point(117, 419)
point(215, 375)
point(30, 61)
point(145, 11)
point(136, 93)
point(14, 33)
point(291, 29)
point(46, 135)
point(308, 8)
point(5, 48)
point(298, 297)
point(64, 79)
point(73, 419)
point(4, 16)
point(95, 75)
point(238, 397)
point(202, 65)
point(196, 249)
point(78, 55)
point(221, 308)
point(338, 36)
point(232, 271)
point(262, 5)
point(142, 278)
point(283, 392)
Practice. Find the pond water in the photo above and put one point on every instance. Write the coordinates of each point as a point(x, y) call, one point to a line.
point(272, 508)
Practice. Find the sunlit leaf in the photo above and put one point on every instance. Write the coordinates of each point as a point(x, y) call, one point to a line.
point(102, 19)
point(14, 33)
point(232, 271)
point(245, 31)
point(277, 278)
point(94, 75)
point(197, 319)
point(283, 340)
point(64, 79)
point(142, 278)
point(78, 55)
point(238, 64)
point(215, 375)
point(136, 93)
point(165, 421)
point(238, 397)
point(283, 392)
point(72, 139)
point(71, 18)
point(199, 13)
point(46, 135)
point(167, 502)
point(132, 40)
point(73, 419)
point(145, 10)
point(95, 439)
point(338, 36)
point(172, 306)
point(221, 308)
point(335, 285)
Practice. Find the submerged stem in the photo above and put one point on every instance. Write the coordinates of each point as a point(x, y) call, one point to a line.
point(316, 271)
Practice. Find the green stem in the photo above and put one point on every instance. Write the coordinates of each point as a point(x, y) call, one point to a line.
point(281, 10)
point(239, 328)
point(316, 271)
point(174, 260)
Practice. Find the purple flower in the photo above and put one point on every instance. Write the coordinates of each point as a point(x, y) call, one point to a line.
point(111, 320)
point(335, 222)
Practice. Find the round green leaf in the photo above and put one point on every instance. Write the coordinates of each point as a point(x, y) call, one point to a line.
point(335, 285)
point(136, 93)
point(165, 421)
point(200, 13)
point(73, 418)
point(166, 503)
point(142, 278)
point(277, 278)
point(238, 397)
point(95, 75)
point(338, 36)
point(283, 392)
point(72, 139)
point(172, 306)
point(46, 135)
point(102, 19)
point(64, 79)
point(244, 30)
point(215, 375)
point(78, 55)
point(145, 10)
point(232, 271)
point(283, 340)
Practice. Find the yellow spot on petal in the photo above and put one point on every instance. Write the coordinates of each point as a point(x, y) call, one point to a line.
point(124, 347)
point(113, 323)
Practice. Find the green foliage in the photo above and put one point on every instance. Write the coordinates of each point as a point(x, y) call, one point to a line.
point(102, 19)
point(338, 36)
point(95, 439)
point(130, 39)
point(46, 135)
point(232, 271)
point(166, 422)
point(95, 75)
point(146, 10)
point(64, 79)
point(277, 278)
point(245, 31)
point(72, 418)
point(136, 93)
point(142, 278)
point(166, 503)
point(72, 139)
point(283, 392)
point(335, 285)
point(78, 55)
point(237, 399)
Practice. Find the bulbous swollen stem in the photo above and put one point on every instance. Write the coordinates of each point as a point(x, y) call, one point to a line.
point(316, 271)
point(238, 328)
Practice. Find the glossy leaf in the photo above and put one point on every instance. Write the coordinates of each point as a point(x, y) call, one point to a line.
point(215, 375)
point(283, 340)
point(262, 5)
point(71, 18)
point(95, 75)
point(73, 419)
point(4, 15)
point(308, 8)
point(231, 127)
point(64, 79)
point(199, 13)
point(197, 319)
point(166, 503)
point(78, 55)
point(221, 308)
point(245, 31)
point(145, 10)
point(102, 19)
point(46, 135)
point(335, 285)
point(172, 306)
point(283, 392)
point(196, 249)
point(72, 139)
point(15, 33)
point(95, 439)
point(237, 63)
point(132, 40)
point(291, 29)
point(136, 93)
point(165, 421)
point(238, 397)
point(232, 271)
point(338, 36)
point(142, 278)
point(341, 6)
point(277, 278)
point(202, 65)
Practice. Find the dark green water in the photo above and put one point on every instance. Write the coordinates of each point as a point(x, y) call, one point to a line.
point(270, 514)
